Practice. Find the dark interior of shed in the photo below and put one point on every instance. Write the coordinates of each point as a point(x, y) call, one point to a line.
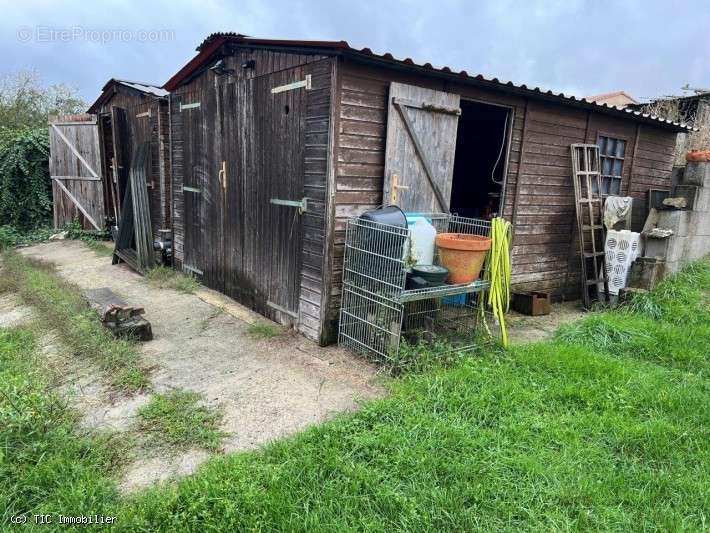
point(481, 148)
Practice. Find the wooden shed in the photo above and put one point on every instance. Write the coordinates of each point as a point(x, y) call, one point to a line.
point(276, 143)
point(129, 114)
point(90, 156)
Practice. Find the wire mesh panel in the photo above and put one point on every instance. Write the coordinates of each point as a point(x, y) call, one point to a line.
point(374, 256)
point(370, 324)
point(377, 312)
point(457, 224)
point(452, 319)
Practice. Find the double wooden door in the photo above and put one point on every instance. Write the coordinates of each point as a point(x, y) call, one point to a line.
point(243, 160)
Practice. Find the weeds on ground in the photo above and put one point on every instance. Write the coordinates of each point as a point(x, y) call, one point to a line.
point(45, 466)
point(179, 420)
point(415, 356)
point(61, 308)
point(96, 242)
point(263, 330)
point(10, 237)
point(162, 277)
point(98, 246)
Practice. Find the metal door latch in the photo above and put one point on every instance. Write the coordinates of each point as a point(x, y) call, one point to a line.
point(396, 187)
point(301, 204)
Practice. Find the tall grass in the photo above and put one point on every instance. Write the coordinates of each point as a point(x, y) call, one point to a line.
point(669, 326)
point(45, 466)
point(603, 428)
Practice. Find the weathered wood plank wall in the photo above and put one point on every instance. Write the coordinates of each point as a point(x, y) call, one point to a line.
point(342, 168)
point(538, 196)
point(360, 151)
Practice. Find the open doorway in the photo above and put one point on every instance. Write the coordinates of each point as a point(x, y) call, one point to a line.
point(480, 161)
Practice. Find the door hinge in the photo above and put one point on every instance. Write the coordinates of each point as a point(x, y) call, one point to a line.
point(193, 105)
point(193, 270)
point(301, 204)
point(306, 84)
point(282, 309)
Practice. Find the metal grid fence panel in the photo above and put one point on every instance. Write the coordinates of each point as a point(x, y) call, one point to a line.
point(377, 311)
point(374, 257)
point(370, 324)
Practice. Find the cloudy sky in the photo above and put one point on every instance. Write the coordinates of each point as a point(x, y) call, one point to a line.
point(581, 47)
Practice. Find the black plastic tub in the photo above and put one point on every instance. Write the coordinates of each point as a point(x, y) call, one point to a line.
point(434, 275)
point(391, 215)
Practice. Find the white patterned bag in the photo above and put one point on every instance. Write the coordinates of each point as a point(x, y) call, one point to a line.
point(621, 249)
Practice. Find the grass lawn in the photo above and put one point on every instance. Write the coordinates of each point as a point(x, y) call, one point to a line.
point(605, 427)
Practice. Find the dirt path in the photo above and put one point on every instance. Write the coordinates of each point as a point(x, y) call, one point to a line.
point(268, 388)
point(523, 328)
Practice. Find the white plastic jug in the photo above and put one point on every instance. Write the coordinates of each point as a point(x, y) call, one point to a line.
point(423, 236)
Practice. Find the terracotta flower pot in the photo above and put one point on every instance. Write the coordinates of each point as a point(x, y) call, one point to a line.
point(698, 155)
point(463, 255)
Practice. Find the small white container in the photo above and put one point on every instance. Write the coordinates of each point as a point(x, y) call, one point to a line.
point(423, 236)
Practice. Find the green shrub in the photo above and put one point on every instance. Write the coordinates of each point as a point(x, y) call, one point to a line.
point(25, 186)
point(9, 237)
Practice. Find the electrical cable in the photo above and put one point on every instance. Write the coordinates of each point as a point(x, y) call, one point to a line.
point(500, 152)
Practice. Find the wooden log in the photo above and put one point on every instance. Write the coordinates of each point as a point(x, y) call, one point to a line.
point(122, 319)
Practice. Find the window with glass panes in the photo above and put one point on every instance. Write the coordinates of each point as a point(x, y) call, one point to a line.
point(611, 154)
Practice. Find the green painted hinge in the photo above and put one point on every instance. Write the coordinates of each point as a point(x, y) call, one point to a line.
point(301, 204)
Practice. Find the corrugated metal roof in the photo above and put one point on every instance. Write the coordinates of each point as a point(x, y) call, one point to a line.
point(156, 90)
point(212, 43)
point(106, 91)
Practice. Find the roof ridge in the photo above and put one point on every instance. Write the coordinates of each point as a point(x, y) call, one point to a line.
point(213, 42)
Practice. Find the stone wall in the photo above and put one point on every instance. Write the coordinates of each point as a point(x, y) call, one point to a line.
point(690, 225)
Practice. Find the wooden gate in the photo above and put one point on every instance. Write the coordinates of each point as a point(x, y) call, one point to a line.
point(75, 169)
point(421, 144)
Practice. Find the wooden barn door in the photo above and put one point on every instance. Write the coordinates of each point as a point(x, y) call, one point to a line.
point(421, 144)
point(277, 188)
point(75, 169)
point(235, 133)
point(195, 178)
point(203, 186)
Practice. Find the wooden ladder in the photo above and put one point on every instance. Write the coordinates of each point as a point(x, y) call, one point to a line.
point(589, 209)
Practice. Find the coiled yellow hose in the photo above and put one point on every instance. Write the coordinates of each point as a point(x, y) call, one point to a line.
point(497, 271)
